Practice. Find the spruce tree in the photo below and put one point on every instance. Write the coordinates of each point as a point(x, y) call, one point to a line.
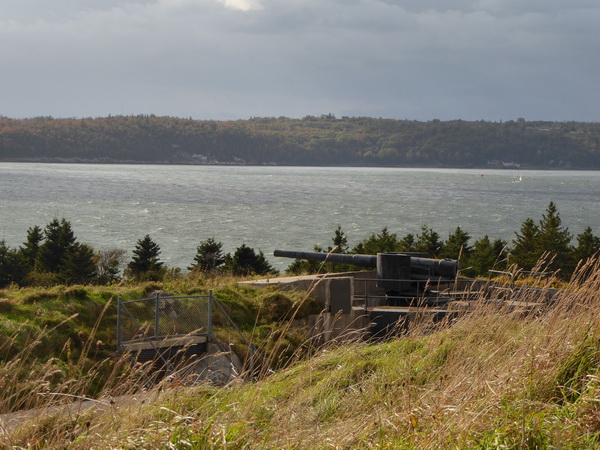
point(526, 250)
point(209, 256)
point(555, 239)
point(428, 242)
point(31, 246)
point(483, 258)
point(340, 242)
point(246, 261)
point(588, 245)
point(13, 266)
point(79, 266)
point(457, 246)
point(58, 240)
point(145, 263)
point(500, 247)
point(378, 243)
point(407, 243)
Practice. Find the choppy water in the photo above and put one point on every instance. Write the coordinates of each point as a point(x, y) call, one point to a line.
point(112, 206)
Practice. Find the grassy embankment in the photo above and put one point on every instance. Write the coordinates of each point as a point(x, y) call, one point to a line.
point(58, 343)
point(494, 378)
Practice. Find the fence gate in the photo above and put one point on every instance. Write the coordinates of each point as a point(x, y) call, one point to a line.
point(159, 327)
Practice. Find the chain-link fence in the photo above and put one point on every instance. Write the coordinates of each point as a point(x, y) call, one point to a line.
point(161, 316)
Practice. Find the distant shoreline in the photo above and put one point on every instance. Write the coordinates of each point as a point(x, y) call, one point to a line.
point(57, 160)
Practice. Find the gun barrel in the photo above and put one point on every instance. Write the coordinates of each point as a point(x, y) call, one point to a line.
point(338, 258)
point(445, 268)
point(419, 267)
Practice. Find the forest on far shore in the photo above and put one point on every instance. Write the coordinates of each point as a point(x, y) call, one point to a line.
point(312, 140)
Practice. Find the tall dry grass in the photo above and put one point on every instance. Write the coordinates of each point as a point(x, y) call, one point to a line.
point(518, 373)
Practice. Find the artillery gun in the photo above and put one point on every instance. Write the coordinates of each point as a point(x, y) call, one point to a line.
point(401, 275)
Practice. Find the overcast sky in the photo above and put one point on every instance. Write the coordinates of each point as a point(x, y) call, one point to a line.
point(234, 59)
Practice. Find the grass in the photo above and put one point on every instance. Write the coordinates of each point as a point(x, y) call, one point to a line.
point(59, 342)
point(494, 378)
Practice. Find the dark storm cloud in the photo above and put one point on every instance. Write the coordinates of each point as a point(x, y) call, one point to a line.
point(487, 59)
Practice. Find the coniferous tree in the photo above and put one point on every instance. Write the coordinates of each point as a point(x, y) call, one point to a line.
point(457, 246)
point(58, 240)
point(209, 256)
point(555, 239)
point(31, 246)
point(428, 242)
point(340, 242)
point(145, 263)
point(378, 243)
point(79, 266)
point(588, 245)
point(13, 266)
point(340, 245)
point(407, 243)
point(246, 261)
point(500, 247)
point(526, 250)
point(486, 256)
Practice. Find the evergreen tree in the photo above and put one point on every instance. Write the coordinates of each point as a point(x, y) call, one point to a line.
point(483, 258)
point(13, 266)
point(457, 246)
point(340, 242)
point(500, 247)
point(58, 240)
point(145, 263)
point(526, 250)
point(79, 266)
point(588, 245)
point(407, 243)
point(555, 239)
point(378, 243)
point(246, 261)
point(31, 246)
point(428, 242)
point(209, 256)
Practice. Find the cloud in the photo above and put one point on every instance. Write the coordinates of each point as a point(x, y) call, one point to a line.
point(418, 59)
point(242, 5)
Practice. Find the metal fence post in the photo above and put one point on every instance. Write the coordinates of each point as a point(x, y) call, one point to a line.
point(156, 317)
point(118, 323)
point(209, 314)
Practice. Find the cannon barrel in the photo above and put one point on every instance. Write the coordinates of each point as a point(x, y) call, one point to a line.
point(338, 258)
point(420, 268)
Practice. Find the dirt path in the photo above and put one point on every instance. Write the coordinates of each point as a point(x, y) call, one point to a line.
point(9, 422)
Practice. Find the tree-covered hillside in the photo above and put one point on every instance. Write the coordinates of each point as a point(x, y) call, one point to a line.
point(324, 140)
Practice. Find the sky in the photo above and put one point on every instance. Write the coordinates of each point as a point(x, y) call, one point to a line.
point(492, 60)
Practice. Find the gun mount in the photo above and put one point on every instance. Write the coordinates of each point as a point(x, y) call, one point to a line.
point(399, 274)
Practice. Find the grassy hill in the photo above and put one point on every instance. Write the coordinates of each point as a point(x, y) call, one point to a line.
point(498, 377)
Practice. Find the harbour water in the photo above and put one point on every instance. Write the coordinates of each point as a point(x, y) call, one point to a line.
point(268, 207)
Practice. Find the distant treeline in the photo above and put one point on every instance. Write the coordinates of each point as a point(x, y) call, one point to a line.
point(546, 246)
point(324, 140)
point(54, 255)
